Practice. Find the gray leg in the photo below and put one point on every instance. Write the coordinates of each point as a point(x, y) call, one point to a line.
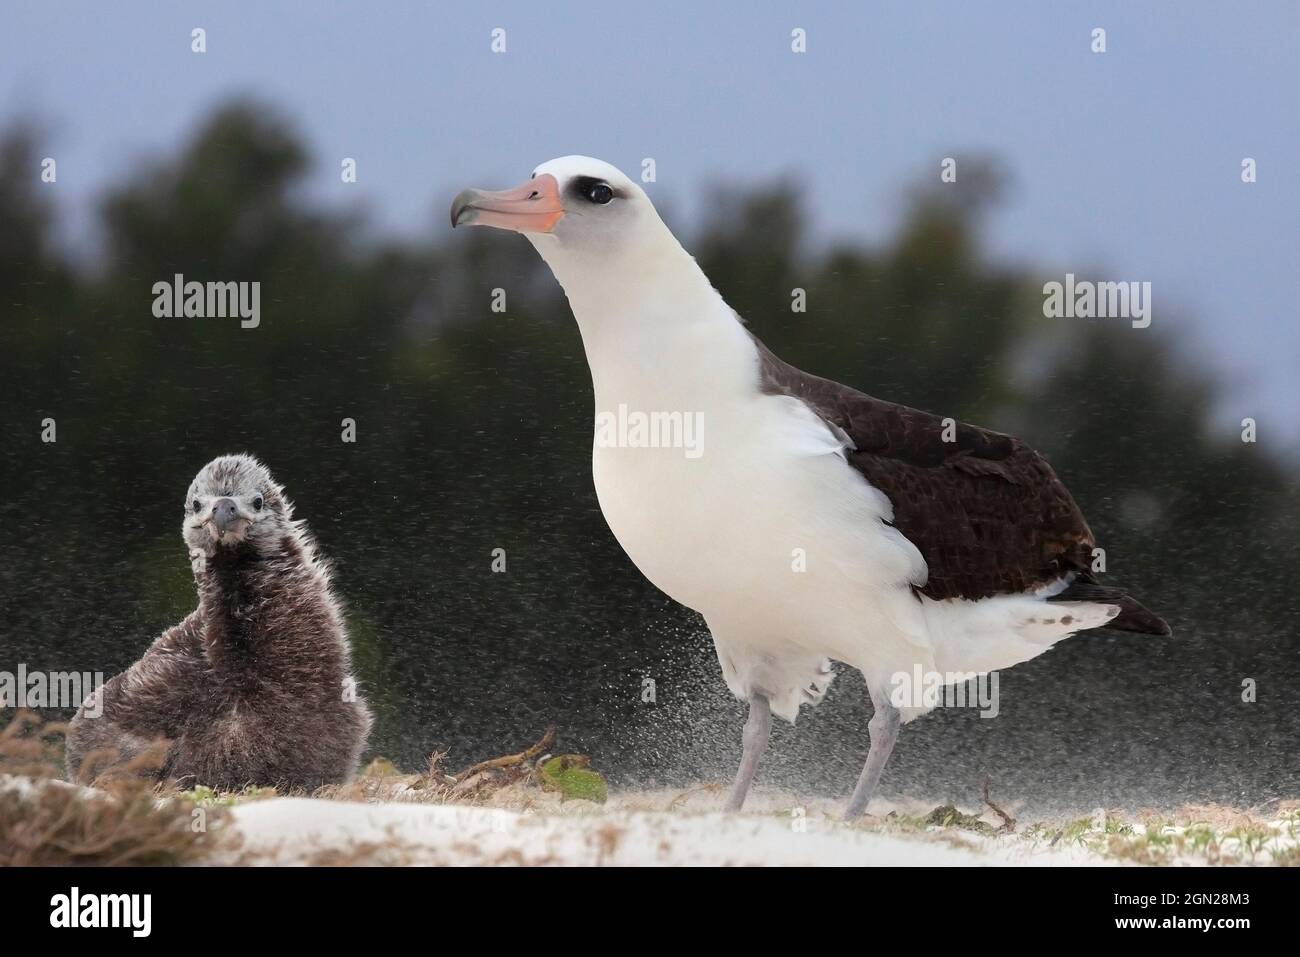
point(757, 731)
point(884, 732)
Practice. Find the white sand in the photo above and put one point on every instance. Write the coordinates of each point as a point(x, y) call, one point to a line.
point(303, 830)
point(390, 821)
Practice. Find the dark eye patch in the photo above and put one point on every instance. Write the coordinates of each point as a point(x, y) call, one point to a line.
point(595, 190)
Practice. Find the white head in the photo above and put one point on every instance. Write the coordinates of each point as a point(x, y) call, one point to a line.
point(580, 213)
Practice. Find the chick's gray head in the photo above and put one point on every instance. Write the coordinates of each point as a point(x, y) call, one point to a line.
point(234, 501)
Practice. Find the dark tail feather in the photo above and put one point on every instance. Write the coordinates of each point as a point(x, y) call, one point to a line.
point(1132, 616)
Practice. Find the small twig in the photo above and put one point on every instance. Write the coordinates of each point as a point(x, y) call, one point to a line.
point(510, 760)
point(1008, 822)
point(435, 773)
point(711, 788)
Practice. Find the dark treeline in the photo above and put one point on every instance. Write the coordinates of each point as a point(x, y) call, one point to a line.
point(474, 433)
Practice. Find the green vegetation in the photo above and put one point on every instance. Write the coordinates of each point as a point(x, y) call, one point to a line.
point(572, 776)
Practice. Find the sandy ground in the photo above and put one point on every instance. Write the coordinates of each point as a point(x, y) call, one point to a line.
point(302, 831)
point(392, 819)
point(672, 828)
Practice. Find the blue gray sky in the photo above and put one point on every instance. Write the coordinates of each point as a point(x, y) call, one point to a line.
point(1125, 164)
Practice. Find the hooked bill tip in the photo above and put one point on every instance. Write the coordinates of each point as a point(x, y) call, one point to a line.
point(462, 209)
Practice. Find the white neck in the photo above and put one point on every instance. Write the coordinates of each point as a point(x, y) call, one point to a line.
point(653, 326)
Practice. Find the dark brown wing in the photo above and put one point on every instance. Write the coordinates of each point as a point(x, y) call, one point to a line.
point(986, 511)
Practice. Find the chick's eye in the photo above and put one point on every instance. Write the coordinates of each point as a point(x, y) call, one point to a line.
point(257, 503)
point(198, 506)
point(600, 193)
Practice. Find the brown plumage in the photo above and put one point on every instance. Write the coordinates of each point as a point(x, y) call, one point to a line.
point(985, 510)
point(254, 687)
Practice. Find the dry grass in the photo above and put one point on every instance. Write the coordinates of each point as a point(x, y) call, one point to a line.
point(125, 820)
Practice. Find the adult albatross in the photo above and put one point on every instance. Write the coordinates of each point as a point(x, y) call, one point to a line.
point(808, 522)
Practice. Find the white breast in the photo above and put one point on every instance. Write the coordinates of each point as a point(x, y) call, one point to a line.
point(767, 531)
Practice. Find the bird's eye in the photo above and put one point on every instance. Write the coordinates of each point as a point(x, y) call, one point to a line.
point(257, 503)
point(600, 193)
point(198, 506)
